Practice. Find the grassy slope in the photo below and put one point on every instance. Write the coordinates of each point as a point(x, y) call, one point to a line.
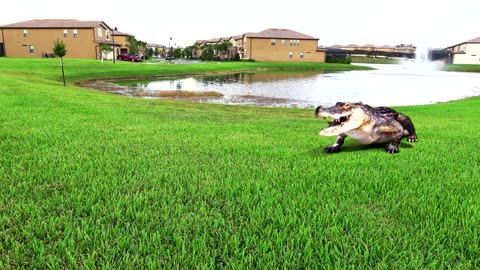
point(91, 179)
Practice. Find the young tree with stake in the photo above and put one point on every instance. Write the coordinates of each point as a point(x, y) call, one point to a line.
point(60, 50)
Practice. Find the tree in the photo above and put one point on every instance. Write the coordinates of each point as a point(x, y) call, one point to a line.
point(133, 45)
point(405, 45)
point(191, 51)
point(60, 50)
point(137, 46)
point(208, 53)
point(224, 49)
point(177, 53)
point(105, 49)
point(188, 52)
point(150, 52)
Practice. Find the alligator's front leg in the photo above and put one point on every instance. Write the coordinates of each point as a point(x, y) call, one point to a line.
point(334, 148)
point(407, 124)
point(392, 148)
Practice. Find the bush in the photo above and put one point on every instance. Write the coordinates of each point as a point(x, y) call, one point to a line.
point(236, 57)
point(339, 59)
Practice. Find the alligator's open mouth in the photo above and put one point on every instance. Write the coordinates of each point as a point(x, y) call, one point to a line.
point(337, 121)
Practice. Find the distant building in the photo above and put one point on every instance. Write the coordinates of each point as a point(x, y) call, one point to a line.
point(467, 52)
point(282, 45)
point(276, 45)
point(161, 49)
point(122, 40)
point(371, 50)
point(35, 38)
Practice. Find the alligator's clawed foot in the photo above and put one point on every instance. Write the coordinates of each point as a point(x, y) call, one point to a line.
point(412, 138)
point(391, 149)
point(332, 148)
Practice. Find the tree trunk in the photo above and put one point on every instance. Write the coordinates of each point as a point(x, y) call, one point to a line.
point(63, 73)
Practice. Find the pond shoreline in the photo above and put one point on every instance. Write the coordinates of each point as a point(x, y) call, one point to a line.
point(380, 85)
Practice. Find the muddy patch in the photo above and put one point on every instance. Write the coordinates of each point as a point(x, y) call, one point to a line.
point(196, 96)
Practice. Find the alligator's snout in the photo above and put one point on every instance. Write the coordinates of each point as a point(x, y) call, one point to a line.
point(317, 110)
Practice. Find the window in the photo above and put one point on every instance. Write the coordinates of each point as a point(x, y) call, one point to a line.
point(75, 33)
point(294, 42)
point(65, 33)
point(273, 42)
point(301, 54)
point(25, 33)
point(284, 42)
point(107, 35)
point(99, 32)
point(290, 55)
point(31, 49)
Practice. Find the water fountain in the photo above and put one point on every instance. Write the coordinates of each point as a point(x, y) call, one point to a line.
point(422, 63)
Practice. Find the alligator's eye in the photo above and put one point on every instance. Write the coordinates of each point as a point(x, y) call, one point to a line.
point(347, 105)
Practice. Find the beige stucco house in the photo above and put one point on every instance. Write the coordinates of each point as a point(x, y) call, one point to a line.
point(35, 38)
point(121, 39)
point(467, 52)
point(277, 45)
point(282, 45)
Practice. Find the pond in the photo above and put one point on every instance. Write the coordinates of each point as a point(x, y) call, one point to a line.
point(387, 85)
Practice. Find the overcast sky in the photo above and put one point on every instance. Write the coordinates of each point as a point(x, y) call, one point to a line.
point(434, 24)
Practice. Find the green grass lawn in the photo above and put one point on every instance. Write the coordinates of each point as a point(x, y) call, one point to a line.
point(94, 180)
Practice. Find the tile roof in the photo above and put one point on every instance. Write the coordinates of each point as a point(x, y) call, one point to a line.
point(367, 46)
point(238, 36)
point(118, 33)
point(54, 23)
point(279, 33)
point(475, 40)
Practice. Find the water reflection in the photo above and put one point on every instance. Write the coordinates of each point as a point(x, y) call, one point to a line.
point(388, 85)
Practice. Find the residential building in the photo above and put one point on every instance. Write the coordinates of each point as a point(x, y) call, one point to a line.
point(35, 38)
point(406, 50)
point(122, 40)
point(385, 49)
point(467, 52)
point(282, 45)
point(374, 51)
point(156, 47)
point(277, 45)
point(238, 45)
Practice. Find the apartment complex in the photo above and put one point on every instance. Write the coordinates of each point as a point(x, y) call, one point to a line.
point(280, 45)
point(372, 50)
point(35, 38)
point(467, 52)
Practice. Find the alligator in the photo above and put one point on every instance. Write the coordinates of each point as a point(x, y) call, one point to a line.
point(368, 125)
